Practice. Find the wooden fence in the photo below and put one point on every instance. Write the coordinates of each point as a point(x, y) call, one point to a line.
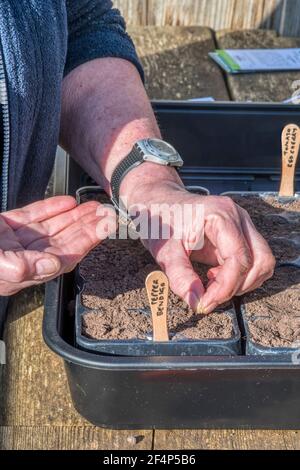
point(281, 15)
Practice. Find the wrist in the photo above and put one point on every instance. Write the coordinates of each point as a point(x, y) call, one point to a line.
point(149, 181)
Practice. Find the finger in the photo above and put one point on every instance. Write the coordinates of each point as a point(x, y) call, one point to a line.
point(212, 273)
point(21, 266)
point(11, 288)
point(263, 260)
point(184, 282)
point(234, 259)
point(223, 286)
point(8, 239)
point(27, 234)
point(208, 254)
point(38, 211)
point(8, 289)
point(73, 243)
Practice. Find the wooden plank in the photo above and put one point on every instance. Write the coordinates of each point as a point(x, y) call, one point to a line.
point(290, 24)
point(134, 11)
point(71, 438)
point(33, 389)
point(227, 440)
point(272, 15)
point(176, 62)
point(260, 86)
point(280, 15)
point(213, 13)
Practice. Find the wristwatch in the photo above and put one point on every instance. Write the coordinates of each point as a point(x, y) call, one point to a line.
point(145, 150)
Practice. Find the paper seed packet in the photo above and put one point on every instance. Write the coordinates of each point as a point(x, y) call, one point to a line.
point(237, 61)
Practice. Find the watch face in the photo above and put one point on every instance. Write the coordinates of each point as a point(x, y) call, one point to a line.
point(161, 148)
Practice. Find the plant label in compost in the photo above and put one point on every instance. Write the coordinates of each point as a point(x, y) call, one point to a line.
point(157, 286)
point(290, 152)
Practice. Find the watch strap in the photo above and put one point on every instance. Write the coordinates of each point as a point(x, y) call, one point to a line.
point(133, 159)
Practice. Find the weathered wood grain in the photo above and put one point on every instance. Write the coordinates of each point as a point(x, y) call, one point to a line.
point(280, 15)
point(70, 438)
point(290, 19)
point(176, 62)
point(259, 86)
point(227, 440)
point(36, 409)
point(34, 389)
point(135, 11)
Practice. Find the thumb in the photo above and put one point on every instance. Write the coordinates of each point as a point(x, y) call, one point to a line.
point(184, 281)
point(25, 265)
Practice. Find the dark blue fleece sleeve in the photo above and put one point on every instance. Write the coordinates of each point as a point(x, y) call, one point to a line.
point(96, 30)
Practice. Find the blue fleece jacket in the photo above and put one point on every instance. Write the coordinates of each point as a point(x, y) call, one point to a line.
point(41, 41)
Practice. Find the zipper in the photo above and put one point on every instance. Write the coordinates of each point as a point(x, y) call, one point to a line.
point(6, 133)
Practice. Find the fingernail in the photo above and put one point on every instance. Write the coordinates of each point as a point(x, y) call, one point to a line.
point(208, 308)
point(201, 310)
point(197, 304)
point(46, 267)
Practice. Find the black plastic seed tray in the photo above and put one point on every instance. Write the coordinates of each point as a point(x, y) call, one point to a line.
point(147, 347)
point(226, 147)
point(253, 348)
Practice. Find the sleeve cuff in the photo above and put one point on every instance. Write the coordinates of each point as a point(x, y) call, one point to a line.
point(100, 44)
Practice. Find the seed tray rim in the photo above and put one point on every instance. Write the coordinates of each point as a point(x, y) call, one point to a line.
point(254, 348)
point(261, 194)
point(231, 345)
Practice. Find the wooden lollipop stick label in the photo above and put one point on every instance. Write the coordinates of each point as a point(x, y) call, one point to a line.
point(290, 152)
point(157, 286)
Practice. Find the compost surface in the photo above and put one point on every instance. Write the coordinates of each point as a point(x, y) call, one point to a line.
point(114, 275)
point(273, 310)
point(271, 217)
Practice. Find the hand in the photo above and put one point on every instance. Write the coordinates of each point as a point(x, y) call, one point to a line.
point(241, 259)
point(43, 240)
